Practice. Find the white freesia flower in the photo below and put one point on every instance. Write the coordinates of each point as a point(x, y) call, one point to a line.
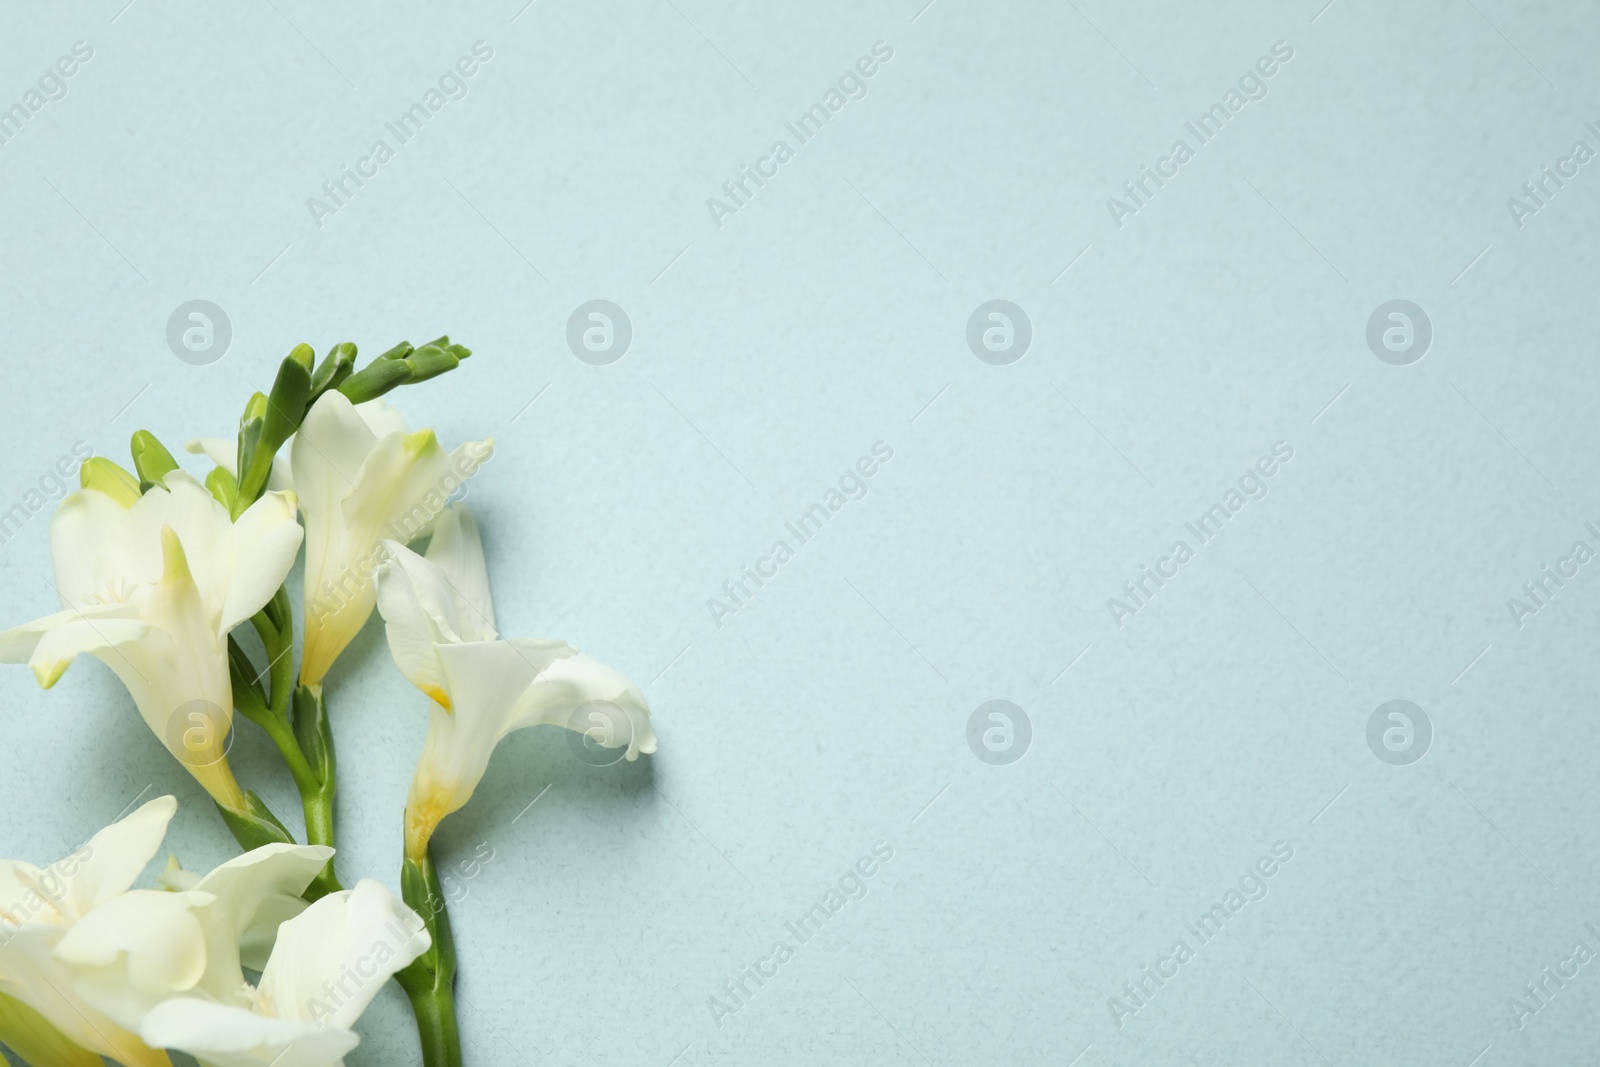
point(441, 630)
point(150, 944)
point(327, 965)
point(362, 479)
point(152, 585)
point(41, 908)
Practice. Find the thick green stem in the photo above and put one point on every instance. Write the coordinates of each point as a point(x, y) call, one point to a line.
point(429, 980)
point(305, 741)
point(312, 737)
point(436, 1026)
point(316, 798)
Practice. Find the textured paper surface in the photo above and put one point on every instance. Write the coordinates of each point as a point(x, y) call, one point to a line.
point(772, 346)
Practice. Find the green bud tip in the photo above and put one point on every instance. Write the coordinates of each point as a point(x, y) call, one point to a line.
point(150, 457)
point(255, 409)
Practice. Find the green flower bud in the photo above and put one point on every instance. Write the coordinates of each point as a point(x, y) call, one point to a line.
point(335, 367)
point(151, 459)
point(430, 362)
point(255, 409)
point(224, 487)
point(375, 379)
point(287, 405)
point(104, 476)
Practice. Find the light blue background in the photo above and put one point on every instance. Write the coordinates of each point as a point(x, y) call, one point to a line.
point(768, 354)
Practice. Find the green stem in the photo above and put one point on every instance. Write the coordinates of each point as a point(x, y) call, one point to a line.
point(305, 741)
point(429, 980)
point(316, 797)
point(436, 1027)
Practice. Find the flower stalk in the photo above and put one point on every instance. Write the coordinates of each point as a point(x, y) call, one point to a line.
point(305, 740)
point(429, 980)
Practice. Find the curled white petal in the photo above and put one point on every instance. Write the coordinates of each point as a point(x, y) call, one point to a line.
point(438, 617)
point(362, 479)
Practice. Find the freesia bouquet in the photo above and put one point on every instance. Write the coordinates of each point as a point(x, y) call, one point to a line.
point(269, 959)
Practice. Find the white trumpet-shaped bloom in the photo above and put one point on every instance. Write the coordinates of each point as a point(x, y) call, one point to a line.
point(325, 968)
point(151, 585)
point(40, 908)
point(439, 618)
point(147, 945)
point(362, 479)
point(149, 969)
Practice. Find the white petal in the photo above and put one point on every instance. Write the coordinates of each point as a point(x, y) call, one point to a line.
point(30, 972)
point(112, 859)
point(22, 901)
point(172, 661)
point(91, 551)
point(381, 418)
point(222, 451)
point(237, 567)
point(178, 676)
point(500, 686)
point(115, 640)
point(487, 681)
point(263, 545)
point(331, 960)
point(413, 630)
point(105, 866)
point(327, 458)
point(357, 489)
point(572, 683)
point(400, 490)
point(270, 878)
point(226, 1036)
point(203, 526)
point(134, 951)
point(255, 944)
point(146, 945)
point(49, 645)
point(426, 603)
point(457, 550)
